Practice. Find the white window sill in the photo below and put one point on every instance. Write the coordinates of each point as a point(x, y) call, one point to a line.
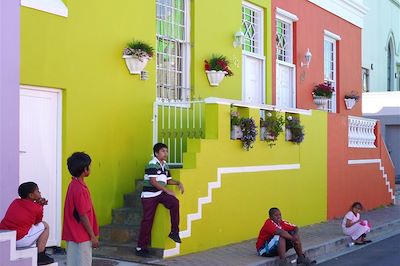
point(56, 7)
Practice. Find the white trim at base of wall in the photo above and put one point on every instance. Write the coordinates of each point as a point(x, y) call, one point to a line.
point(56, 7)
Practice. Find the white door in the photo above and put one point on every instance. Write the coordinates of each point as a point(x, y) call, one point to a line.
point(253, 54)
point(285, 94)
point(40, 150)
point(253, 85)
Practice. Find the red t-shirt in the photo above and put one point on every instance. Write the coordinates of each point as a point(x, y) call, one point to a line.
point(268, 230)
point(21, 215)
point(78, 201)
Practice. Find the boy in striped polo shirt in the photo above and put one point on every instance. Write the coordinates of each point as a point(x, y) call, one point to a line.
point(157, 176)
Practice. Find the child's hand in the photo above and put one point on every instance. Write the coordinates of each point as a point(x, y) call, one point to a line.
point(95, 242)
point(42, 201)
point(181, 188)
point(170, 192)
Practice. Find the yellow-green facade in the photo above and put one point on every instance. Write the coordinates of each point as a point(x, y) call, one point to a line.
point(108, 113)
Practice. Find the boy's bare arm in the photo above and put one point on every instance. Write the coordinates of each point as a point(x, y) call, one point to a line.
point(88, 228)
point(284, 234)
point(154, 183)
point(178, 183)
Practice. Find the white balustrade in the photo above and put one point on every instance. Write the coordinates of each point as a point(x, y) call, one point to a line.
point(175, 121)
point(361, 132)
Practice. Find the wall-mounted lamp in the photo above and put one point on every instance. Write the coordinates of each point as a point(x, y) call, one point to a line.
point(239, 39)
point(372, 66)
point(308, 57)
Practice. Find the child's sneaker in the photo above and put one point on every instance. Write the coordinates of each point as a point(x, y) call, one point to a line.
point(142, 252)
point(175, 237)
point(44, 259)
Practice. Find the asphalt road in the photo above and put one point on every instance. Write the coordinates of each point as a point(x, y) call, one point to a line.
point(383, 253)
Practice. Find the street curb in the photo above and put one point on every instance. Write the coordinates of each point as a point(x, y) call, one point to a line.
point(331, 247)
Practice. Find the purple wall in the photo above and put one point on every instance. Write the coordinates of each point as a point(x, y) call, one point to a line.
point(9, 101)
point(5, 256)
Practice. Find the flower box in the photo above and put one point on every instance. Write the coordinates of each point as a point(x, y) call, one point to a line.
point(135, 64)
point(265, 135)
point(321, 102)
point(288, 135)
point(350, 103)
point(236, 132)
point(215, 77)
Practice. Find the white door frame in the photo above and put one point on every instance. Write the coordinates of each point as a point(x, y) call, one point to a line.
point(58, 153)
point(259, 55)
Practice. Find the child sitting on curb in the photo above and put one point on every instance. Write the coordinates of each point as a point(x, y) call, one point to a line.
point(25, 216)
point(354, 227)
point(278, 236)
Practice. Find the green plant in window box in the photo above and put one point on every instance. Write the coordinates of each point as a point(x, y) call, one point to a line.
point(136, 54)
point(271, 127)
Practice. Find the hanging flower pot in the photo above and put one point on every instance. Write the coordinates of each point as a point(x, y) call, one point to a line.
point(135, 64)
point(216, 69)
point(350, 103)
point(215, 77)
point(136, 55)
point(321, 102)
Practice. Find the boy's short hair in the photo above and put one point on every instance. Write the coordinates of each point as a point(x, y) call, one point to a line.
point(77, 163)
point(157, 147)
point(272, 211)
point(26, 188)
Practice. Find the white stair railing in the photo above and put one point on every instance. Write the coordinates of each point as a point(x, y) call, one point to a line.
point(175, 121)
point(361, 132)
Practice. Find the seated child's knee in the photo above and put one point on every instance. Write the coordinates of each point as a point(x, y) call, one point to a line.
point(46, 225)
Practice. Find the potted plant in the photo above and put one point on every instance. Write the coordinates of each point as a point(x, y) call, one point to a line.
point(216, 69)
point(351, 99)
point(136, 55)
point(271, 127)
point(236, 131)
point(249, 129)
point(294, 130)
point(321, 94)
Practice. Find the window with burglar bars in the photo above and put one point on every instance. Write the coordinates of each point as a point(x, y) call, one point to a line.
point(283, 41)
point(251, 19)
point(172, 50)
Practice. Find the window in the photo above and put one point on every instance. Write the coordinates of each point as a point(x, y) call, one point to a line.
point(251, 28)
point(365, 80)
point(390, 62)
point(283, 41)
point(330, 68)
point(172, 49)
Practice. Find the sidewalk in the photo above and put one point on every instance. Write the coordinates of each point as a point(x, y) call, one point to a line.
point(318, 240)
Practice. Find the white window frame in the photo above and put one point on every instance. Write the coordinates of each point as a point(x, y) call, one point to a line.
point(260, 52)
point(56, 7)
point(186, 53)
point(289, 18)
point(329, 37)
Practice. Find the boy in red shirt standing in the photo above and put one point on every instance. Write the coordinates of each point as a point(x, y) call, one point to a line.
point(25, 216)
point(278, 236)
point(80, 228)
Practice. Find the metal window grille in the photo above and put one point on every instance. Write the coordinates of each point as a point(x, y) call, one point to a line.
point(330, 70)
point(283, 41)
point(251, 29)
point(172, 50)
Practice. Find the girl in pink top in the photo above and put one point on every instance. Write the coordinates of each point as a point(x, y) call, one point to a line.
point(353, 226)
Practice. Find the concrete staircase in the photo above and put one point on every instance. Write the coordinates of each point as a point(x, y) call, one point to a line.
point(118, 239)
point(11, 256)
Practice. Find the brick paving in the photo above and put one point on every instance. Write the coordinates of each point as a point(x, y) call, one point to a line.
point(313, 235)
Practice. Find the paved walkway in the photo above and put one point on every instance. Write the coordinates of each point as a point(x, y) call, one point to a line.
point(323, 235)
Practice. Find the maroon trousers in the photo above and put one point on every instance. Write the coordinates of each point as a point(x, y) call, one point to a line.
point(149, 210)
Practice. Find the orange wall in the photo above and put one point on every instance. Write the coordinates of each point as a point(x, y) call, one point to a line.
point(309, 33)
point(349, 183)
